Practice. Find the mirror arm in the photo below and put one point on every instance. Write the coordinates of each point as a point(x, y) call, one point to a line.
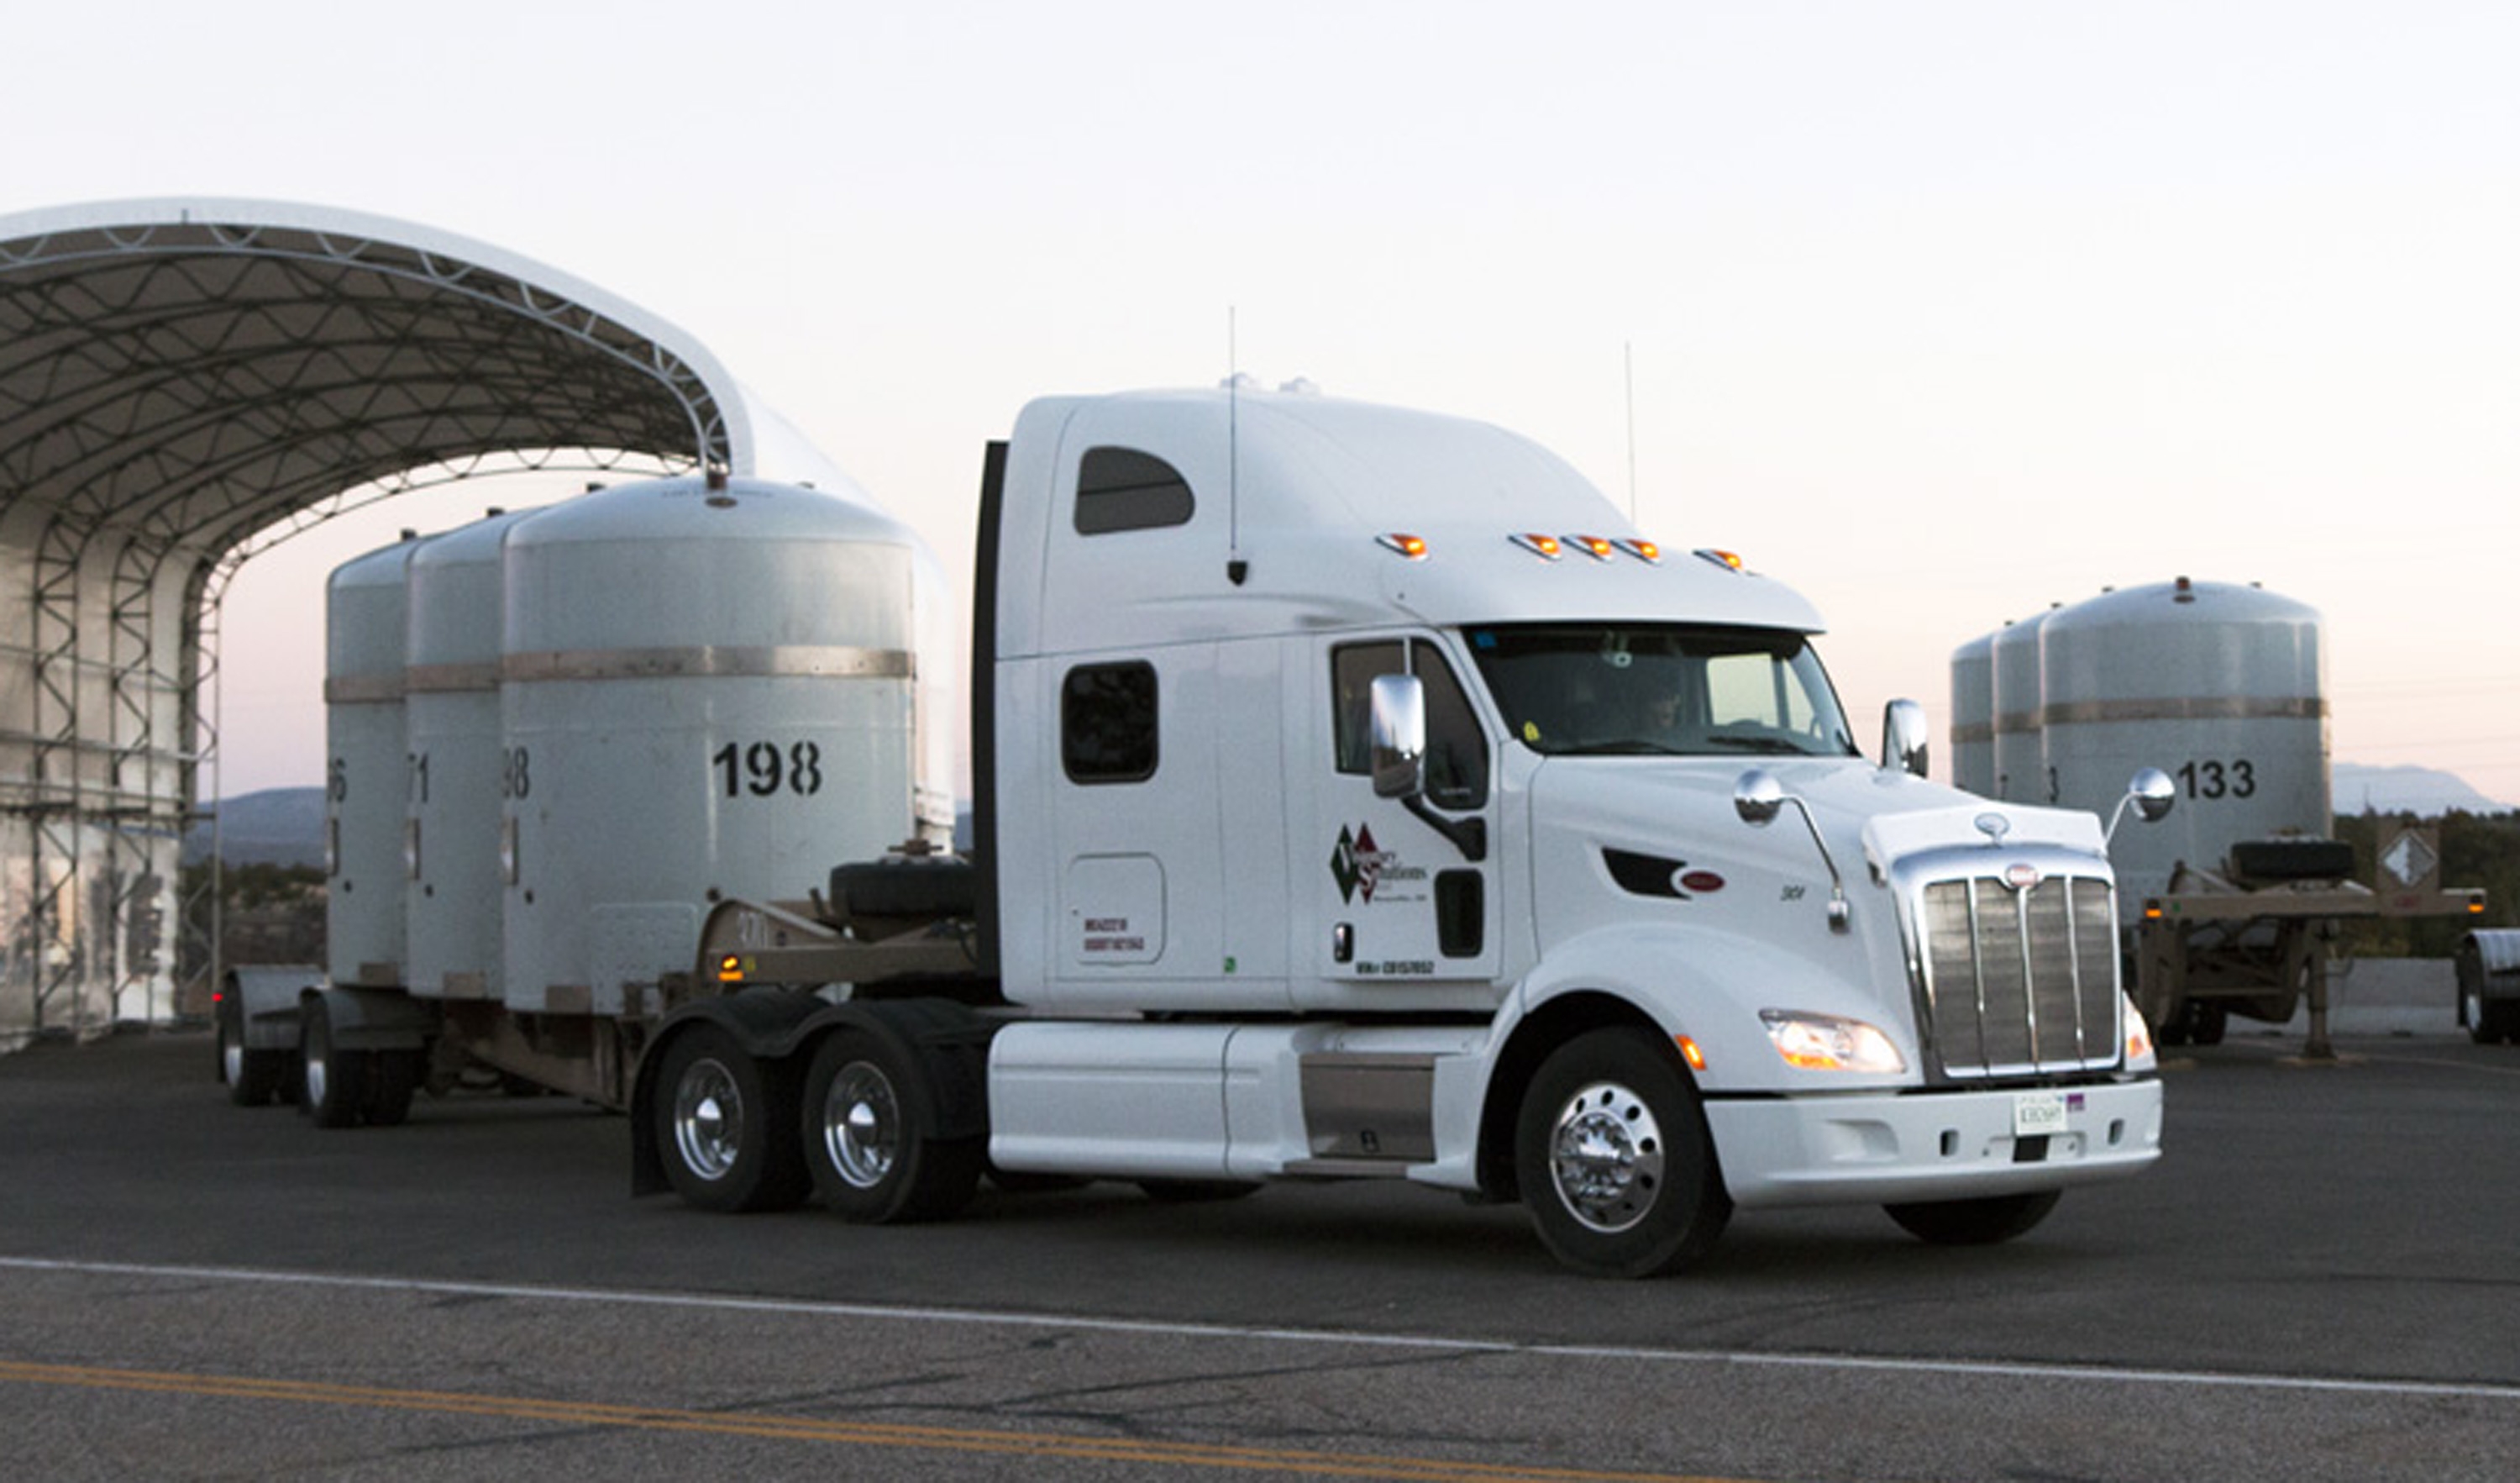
point(1468, 835)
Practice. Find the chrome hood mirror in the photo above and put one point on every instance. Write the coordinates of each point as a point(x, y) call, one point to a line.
point(2150, 793)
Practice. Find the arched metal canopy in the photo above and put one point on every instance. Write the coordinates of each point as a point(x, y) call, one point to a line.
point(196, 369)
point(184, 381)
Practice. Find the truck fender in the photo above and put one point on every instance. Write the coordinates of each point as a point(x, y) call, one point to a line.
point(1711, 986)
point(372, 1019)
point(766, 1022)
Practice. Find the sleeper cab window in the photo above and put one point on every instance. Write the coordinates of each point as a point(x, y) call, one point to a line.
point(1124, 489)
point(1106, 722)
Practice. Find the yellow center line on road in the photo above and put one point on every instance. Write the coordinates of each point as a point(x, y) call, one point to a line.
point(810, 1429)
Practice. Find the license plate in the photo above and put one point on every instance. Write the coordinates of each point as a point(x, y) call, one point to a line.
point(2036, 1113)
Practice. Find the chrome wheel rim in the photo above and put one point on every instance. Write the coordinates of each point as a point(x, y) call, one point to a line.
point(1605, 1157)
point(862, 1125)
point(708, 1119)
point(319, 1075)
point(231, 1057)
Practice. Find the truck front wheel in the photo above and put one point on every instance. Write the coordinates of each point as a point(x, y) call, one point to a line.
point(867, 1108)
point(1974, 1222)
point(1613, 1157)
point(725, 1125)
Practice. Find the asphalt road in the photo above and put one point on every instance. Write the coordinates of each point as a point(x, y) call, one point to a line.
point(2321, 1280)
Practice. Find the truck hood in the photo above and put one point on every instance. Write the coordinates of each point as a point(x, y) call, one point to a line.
point(1866, 813)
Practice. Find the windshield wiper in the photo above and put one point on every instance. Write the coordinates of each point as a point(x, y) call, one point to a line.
point(1784, 747)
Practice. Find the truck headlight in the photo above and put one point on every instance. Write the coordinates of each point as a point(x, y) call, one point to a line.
point(2138, 1040)
point(1827, 1043)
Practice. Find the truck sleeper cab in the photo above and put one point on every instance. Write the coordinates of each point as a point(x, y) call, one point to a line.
point(1361, 797)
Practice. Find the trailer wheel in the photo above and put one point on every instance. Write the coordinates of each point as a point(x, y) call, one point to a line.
point(1974, 1222)
point(1613, 1157)
point(252, 1076)
point(336, 1080)
point(392, 1077)
point(723, 1124)
point(866, 1106)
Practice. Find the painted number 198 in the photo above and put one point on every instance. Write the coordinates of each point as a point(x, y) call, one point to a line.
point(764, 768)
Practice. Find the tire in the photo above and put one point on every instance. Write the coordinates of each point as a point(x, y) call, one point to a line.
point(1613, 1158)
point(924, 886)
point(1974, 1222)
point(866, 1103)
point(725, 1125)
point(1197, 1192)
point(336, 1089)
point(392, 1077)
point(2493, 1021)
point(2203, 1022)
point(252, 1076)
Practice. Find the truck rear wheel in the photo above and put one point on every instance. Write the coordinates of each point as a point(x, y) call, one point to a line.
point(336, 1080)
point(1613, 1157)
point(1974, 1222)
point(867, 1109)
point(725, 1124)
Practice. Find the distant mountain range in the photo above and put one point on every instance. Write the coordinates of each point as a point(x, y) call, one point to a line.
point(280, 826)
point(284, 826)
point(2425, 790)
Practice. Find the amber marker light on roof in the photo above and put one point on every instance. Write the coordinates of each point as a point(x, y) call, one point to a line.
point(1720, 557)
point(1642, 550)
point(1539, 544)
point(1410, 546)
point(1599, 548)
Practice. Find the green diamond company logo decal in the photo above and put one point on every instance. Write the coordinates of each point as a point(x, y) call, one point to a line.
point(1353, 862)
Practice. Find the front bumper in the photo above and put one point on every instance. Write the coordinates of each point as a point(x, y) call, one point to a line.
point(1887, 1148)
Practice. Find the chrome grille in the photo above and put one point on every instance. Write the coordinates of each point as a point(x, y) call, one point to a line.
point(2020, 982)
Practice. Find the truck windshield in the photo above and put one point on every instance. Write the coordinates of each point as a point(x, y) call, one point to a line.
point(1660, 689)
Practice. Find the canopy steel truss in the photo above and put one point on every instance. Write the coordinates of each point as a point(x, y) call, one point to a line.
point(182, 385)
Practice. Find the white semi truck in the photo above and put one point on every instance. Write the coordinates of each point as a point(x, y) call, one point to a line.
point(1358, 796)
point(1361, 797)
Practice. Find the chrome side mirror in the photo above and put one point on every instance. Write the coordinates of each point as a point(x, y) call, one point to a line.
point(1398, 732)
point(1903, 737)
point(2150, 793)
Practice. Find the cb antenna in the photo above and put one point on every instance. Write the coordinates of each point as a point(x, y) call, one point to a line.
point(1235, 567)
point(1629, 348)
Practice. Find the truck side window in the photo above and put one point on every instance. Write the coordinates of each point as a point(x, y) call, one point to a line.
point(1124, 489)
point(1457, 755)
point(1106, 722)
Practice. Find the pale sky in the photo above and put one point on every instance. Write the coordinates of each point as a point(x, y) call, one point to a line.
point(1939, 312)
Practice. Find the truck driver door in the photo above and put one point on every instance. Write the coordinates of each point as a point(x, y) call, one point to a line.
point(1398, 897)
